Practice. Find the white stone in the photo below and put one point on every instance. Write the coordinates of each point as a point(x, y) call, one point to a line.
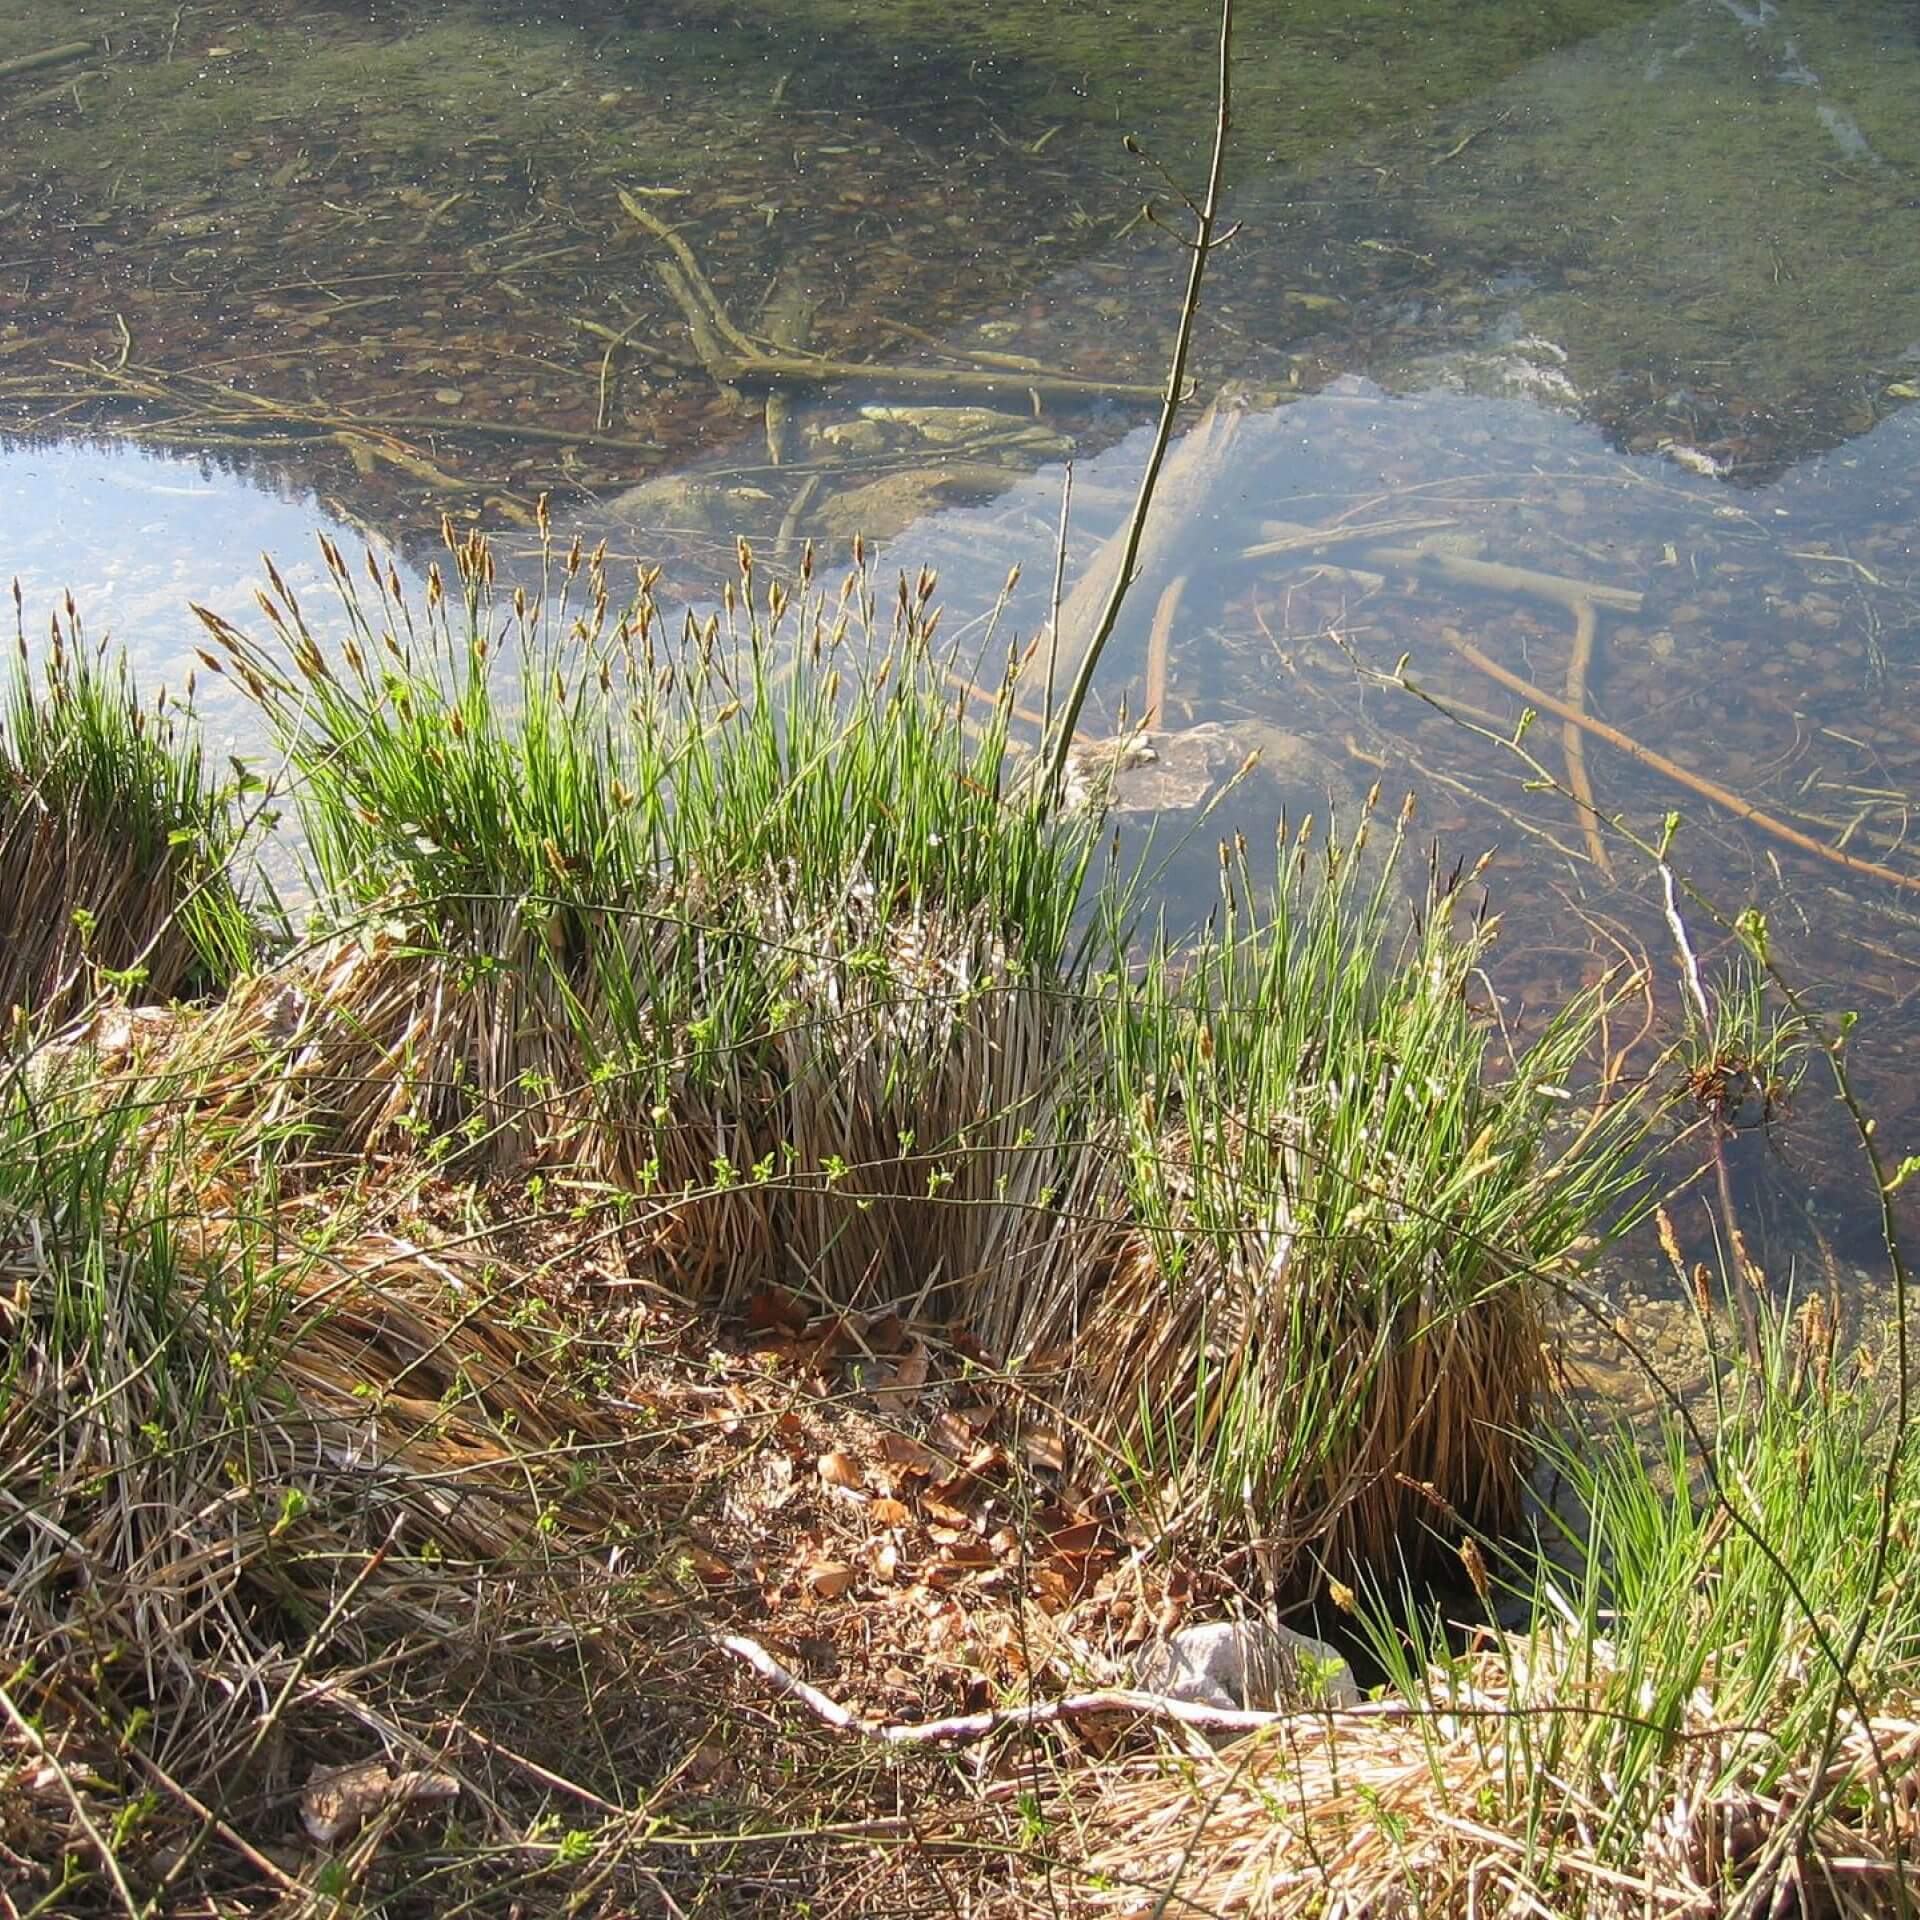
point(1246, 1663)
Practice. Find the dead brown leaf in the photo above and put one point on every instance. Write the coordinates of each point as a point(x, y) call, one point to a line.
point(776, 1308)
point(897, 1385)
point(710, 1765)
point(339, 1800)
point(952, 1433)
point(1080, 1537)
point(838, 1470)
point(829, 1579)
point(908, 1455)
point(709, 1566)
point(943, 1502)
point(1052, 1590)
point(887, 1333)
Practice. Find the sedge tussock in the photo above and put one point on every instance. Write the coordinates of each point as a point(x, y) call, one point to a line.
point(746, 917)
point(114, 841)
point(1322, 1324)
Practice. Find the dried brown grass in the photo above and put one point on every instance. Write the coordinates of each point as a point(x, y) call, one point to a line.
point(268, 1483)
point(1442, 1809)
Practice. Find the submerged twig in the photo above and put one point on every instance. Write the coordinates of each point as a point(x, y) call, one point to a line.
point(1659, 763)
point(735, 361)
point(47, 57)
point(1159, 640)
point(759, 369)
point(788, 317)
point(697, 282)
point(1503, 578)
point(1573, 742)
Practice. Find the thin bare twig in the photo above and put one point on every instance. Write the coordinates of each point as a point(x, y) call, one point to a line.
point(1202, 248)
point(965, 1729)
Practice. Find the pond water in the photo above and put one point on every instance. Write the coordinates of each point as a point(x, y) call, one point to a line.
point(1560, 349)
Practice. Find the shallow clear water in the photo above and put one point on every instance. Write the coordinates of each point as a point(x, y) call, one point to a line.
point(1627, 295)
point(136, 537)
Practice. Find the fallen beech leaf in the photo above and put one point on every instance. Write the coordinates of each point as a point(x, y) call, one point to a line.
point(709, 1566)
point(886, 1512)
point(338, 1800)
point(1082, 1537)
point(775, 1307)
point(1044, 1449)
point(829, 1579)
point(838, 1470)
point(903, 1451)
point(967, 1553)
point(967, 1344)
point(710, 1765)
point(833, 1339)
point(887, 1333)
point(942, 1502)
point(884, 1559)
point(1051, 1589)
point(946, 1621)
point(898, 1384)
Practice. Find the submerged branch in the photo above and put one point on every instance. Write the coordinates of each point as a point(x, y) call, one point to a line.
point(1573, 743)
point(735, 361)
point(47, 57)
point(1683, 776)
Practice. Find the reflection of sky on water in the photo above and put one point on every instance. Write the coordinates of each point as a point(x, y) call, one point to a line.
point(137, 536)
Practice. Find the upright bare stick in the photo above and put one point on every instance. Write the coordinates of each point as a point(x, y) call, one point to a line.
point(1202, 245)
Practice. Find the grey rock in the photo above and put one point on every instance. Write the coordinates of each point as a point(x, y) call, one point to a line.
point(1246, 1663)
point(856, 436)
point(885, 508)
point(690, 503)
